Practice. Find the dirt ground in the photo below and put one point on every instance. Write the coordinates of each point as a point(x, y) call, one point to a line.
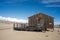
point(10, 34)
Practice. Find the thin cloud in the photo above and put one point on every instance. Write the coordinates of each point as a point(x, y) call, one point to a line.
point(50, 1)
point(13, 19)
point(52, 6)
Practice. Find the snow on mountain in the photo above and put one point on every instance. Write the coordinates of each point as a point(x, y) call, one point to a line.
point(9, 19)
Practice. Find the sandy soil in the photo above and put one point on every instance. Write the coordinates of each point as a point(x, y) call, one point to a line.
point(10, 34)
point(6, 25)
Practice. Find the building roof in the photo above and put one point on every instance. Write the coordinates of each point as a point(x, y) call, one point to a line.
point(40, 14)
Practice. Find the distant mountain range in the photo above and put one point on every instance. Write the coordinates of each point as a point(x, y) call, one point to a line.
point(13, 20)
point(57, 26)
point(4, 21)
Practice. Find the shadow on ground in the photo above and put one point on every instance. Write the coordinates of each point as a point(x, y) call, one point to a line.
point(28, 30)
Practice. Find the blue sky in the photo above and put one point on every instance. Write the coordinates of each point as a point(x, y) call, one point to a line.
point(22, 9)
